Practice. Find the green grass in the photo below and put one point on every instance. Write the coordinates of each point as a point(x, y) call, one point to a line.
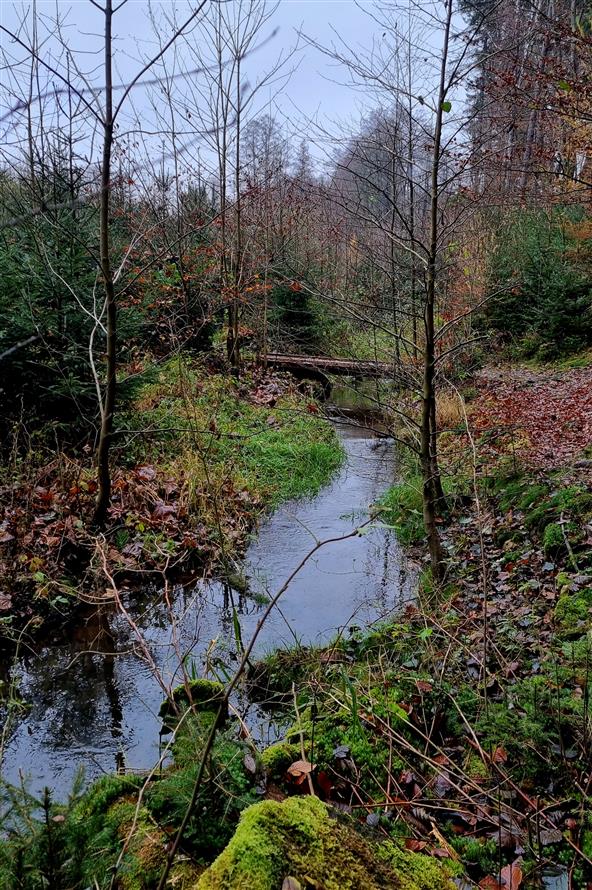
point(212, 430)
point(401, 507)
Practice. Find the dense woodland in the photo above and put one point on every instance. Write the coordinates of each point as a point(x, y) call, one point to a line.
point(163, 240)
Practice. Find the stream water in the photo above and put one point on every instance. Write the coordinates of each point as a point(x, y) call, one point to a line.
point(93, 703)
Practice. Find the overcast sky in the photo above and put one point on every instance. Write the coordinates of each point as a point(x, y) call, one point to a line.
point(316, 91)
point(313, 87)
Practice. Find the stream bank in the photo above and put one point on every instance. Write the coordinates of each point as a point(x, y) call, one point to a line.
point(96, 701)
point(198, 459)
point(93, 701)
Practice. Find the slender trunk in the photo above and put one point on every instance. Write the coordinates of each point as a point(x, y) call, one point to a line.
point(393, 261)
point(235, 358)
point(429, 464)
point(435, 468)
point(411, 180)
point(108, 406)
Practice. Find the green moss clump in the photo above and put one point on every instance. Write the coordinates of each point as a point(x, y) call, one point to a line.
point(573, 612)
point(298, 839)
point(271, 679)
point(478, 854)
point(227, 788)
point(415, 871)
point(532, 495)
point(203, 695)
point(106, 816)
point(553, 539)
point(277, 758)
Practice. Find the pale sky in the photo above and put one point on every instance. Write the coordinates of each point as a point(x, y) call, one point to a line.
point(316, 91)
point(310, 88)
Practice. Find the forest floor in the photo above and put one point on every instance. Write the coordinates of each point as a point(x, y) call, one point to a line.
point(547, 411)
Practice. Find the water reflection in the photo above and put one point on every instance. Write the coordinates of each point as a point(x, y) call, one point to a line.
point(95, 701)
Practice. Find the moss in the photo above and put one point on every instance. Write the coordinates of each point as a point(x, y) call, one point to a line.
point(271, 679)
point(573, 612)
point(532, 495)
point(415, 872)
point(553, 539)
point(277, 758)
point(103, 793)
point(203, 695)
point(298, 839)
point(227, 788)
point(146, 852)
point(106, 817)
point(475, 768)
point(586, 843)
point(481, 856)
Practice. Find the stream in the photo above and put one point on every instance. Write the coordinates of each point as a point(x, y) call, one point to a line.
point(93, 703)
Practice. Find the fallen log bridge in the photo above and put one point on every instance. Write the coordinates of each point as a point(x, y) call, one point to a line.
point(318, 366)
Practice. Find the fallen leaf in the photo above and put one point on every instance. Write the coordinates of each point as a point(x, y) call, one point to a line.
point(325, 784)
point(299, 770)
point(500, 755)
point(146, 473)
point(511, 876)
point(163, 511)
point(414, 845)
point(490, 883)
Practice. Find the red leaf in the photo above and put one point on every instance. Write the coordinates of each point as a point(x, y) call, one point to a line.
point(500, 755)
point(325, 784)
point(414, 845)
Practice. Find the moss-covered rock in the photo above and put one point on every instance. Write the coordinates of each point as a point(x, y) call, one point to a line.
point(202, 695)
point(553, 539)
point(298, 839)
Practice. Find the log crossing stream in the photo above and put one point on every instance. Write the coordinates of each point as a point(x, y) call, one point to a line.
point(94, 702)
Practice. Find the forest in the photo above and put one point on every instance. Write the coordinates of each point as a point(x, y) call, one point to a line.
point(296, 445)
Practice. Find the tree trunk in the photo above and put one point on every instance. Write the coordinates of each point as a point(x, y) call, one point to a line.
point(108, 406)
point(429, 460)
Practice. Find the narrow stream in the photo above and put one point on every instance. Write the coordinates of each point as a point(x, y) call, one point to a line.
point(94, 702)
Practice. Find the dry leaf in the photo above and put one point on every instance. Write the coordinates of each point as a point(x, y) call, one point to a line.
point(299, 770)
point(5, 602)
point(500, 755)
point(511, 876)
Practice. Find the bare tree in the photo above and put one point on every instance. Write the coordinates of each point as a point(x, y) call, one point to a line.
point(401, 183)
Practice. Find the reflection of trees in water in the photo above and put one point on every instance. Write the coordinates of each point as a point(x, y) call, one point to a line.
point(95, 641)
